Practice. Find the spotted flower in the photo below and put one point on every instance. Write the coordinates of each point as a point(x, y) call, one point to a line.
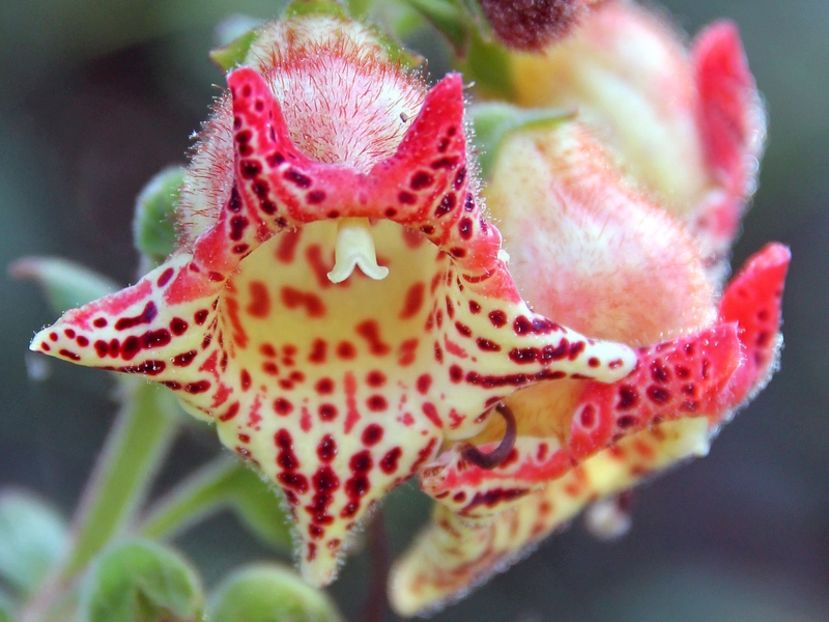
point(617, 223)
point(344, 311)
point(339, 306)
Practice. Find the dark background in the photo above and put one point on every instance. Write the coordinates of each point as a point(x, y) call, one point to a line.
point(97, 96)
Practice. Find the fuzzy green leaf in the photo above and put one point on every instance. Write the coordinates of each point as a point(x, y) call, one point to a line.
point(140, 581)
point(65, 284)
point(33, 537)
point(269, 593)
point(222, 483)
point(232, 54)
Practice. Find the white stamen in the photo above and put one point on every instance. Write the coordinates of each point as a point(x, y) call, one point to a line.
point(355, 247)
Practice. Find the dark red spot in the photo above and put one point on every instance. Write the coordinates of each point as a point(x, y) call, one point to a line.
point(628, 397)
point(376, 378)
point(406, 198)
point(424, 381)
point(200, 316)
point(325, 386)
point(372, 434)
point(145, 317)
point(327, 448)
point(346, 350)
point(388, 463)
point(498, 318)
point(377, 403)
point(184, 359)
point(197, 387)
point(327, 412)
point(660, 372)
point(447, 203)
point(421, 180)
point(315, 197)
point(163, 279)
point(465, 228)
point(588, 416)
point(657, 394)
point(178, 326)
point(297, 178)
point(281, 406)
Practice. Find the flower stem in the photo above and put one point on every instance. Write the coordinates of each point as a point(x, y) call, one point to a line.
point(136, 446)
point(198, 495)
point(134, 449)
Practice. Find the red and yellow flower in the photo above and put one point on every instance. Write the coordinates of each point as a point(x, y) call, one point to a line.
point(347, 314)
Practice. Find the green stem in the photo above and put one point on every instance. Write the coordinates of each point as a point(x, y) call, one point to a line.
point(134, 449)
point(200, 494)
point(131, 457)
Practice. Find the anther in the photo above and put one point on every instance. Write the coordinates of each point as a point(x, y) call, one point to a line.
point(490, 460)
point(355, 247)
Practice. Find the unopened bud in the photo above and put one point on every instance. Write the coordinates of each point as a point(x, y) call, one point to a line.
point(531, 25)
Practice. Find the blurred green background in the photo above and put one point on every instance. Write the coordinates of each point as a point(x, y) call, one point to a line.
point(97, 96)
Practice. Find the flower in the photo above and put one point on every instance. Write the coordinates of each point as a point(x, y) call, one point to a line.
point(338, 306)
point(617, 223)
point(688, 125)
point(343, 311)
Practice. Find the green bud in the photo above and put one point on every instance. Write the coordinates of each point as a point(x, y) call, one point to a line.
point(269, 593)
point(140, 581)
point(154, 229)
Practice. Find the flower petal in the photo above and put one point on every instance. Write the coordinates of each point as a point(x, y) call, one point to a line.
point(732, 128)
point(587, 247)
point(455, 554)
point(674, 380)
point(753, 299)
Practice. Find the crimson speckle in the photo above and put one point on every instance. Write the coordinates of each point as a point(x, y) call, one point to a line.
point(282, 406)
point(498, 318)
point(388, 463)
point(372, 434)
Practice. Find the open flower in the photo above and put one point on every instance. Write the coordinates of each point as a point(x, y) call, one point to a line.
point(613, 224)
point(338, 307)
point(343, 311)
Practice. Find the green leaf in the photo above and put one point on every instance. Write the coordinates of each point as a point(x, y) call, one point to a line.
point(450, 17)
point(33, 537)
point(232, 54)
point(494, 121)
point(65, 284)
point(259, 506)
point(154, 231)
point(222, 483)
point(6, 608)
point(269, 593)
point(141, 581)
point(487, 63)
point(299, 8)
